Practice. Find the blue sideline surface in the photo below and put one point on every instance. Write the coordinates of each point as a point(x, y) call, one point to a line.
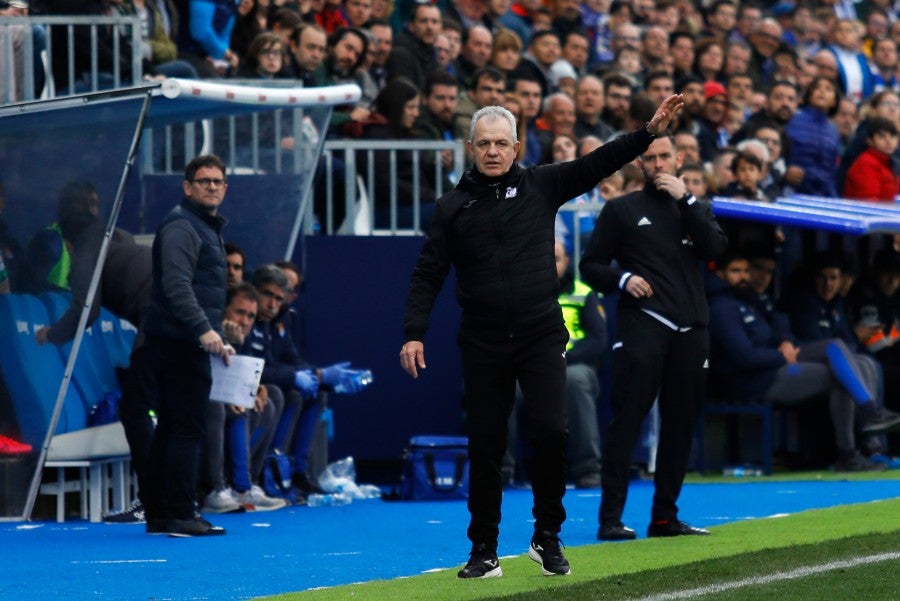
point(301, 548)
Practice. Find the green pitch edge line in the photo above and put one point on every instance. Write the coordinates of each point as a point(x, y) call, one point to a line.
point(592, 563)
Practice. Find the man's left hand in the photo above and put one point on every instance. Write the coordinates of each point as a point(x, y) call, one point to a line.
point(665, 113)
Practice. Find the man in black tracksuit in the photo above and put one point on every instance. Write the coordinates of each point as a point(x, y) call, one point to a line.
point(496, 229)
point(658, 237)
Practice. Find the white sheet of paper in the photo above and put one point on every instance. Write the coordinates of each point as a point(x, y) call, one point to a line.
point(236, 384)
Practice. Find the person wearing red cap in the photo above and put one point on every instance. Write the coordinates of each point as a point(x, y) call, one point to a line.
point(713, 115)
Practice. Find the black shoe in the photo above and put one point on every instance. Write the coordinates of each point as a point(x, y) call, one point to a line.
point(306, 485)
point(155, 526)
point(483, 563)
point(856, 462)
point(546, 549)
point(674, 528)
point(879, 420)
point(589, 480)
point(615, 531)
point(196, 526)
point(132, 515)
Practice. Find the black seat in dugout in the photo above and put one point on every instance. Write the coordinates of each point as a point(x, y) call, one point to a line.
point(734, 411)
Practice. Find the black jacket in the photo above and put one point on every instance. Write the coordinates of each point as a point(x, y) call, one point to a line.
point(189, 275)
point(498, 234)
point(652, 235)
point(124, 281)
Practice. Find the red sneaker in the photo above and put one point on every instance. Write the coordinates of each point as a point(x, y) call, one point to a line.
point(8, 446)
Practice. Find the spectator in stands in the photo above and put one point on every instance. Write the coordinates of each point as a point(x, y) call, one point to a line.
point(251, 20)
point(713, 117)
point(625, 33)
point(235, 261)
point(493, 362)
point(308, 46)
point(659, 85)
point(158, 50)
point(564, 149)
point(749, 360)
point(412, 55)
point(357, 12)
point(543, 50)
point(520, 17)
point(749, 15)
point(845, 120)
point(347, 48)
point(739, 87)
point(186, 305)
point(506, 51)
point(488, 88)
point(528, 90)
point(264, 59)
point(451, 28)
point(513, 105)
point(764, 41)
point(205, 35)
point(396, 110)
point(230, 427)
point(442, 50)
point(721, 19)
point(781, 105)
point(682, 49)
point(627, 62)
point(695, 179)
point(814, 141)
point(773, 181)
point(882, 105)
point(654, 50)
point(558, 114)
point(124, 290)
point(687, 145)
point(883, 65)
point(871, 176)
point(576, 50)
point(436, 119)
point(475, 54)
point(710, 59)
point(617, 98)
point(589, 102)
point(737, 58)
point(289, 379)
point(46, 260)
point(855, 77)
point(374, 73)
point(661, 346)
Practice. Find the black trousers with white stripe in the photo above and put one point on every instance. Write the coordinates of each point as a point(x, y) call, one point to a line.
point(649, 358)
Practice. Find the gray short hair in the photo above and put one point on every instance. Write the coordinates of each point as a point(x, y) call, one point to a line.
point(493, 112)
point(756, 145)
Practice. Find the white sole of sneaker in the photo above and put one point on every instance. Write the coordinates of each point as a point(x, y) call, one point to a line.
point(534, 555)
point(495, 573)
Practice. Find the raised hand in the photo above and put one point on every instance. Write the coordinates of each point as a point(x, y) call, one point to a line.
point(664, 114)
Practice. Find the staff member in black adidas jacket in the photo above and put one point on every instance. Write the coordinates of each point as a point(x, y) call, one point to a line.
point(496, 229)
point(658, 237)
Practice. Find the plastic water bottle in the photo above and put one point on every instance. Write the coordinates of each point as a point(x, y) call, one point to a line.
point(362, 378)
point(328, 500)
point(742, 471)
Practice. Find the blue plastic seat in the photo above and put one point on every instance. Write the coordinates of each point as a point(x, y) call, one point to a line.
point(32, 373)
point(94, 373)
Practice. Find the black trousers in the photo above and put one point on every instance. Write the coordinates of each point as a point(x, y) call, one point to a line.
point(182, 373)
point(138, 398)
point(491, 368)
point(650, 358)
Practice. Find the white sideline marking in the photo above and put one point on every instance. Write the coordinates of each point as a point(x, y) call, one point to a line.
point(98, 561)
point(777, 576)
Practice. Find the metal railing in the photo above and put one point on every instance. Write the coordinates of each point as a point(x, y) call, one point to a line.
point(359, 185)
point(27, 51)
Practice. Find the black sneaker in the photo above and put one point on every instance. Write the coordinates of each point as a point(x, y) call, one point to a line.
point(132, 515)
point(155, 526)
point(196, 526)
point(546, 549)
point(674, 528)
point(856, 462)
point(615, 531)
point(483, 563)
point(879, 420)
